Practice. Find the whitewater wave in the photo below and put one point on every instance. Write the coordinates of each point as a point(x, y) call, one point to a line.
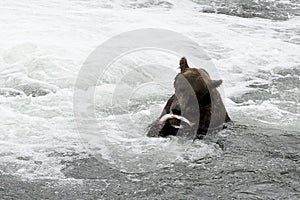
point(256, 58)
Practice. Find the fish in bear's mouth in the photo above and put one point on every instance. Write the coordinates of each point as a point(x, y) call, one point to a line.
point(175, 120)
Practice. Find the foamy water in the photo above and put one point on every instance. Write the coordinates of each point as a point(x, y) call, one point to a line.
point(44, 44)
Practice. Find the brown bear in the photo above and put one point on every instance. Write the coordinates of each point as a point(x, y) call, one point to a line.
point(196, 103)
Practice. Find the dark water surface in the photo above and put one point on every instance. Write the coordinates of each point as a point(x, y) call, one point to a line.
point(275, 9)
point(253, 165)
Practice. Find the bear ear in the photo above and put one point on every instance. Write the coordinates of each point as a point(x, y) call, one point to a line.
point(183, 65)
point(214, 83)
point(183, 60)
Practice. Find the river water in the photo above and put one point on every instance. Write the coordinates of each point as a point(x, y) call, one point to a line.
point(254, 47)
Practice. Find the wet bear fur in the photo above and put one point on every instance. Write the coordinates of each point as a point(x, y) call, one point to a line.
point(197, 99)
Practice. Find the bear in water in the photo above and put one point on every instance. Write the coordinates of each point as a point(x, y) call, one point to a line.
point(194, 109)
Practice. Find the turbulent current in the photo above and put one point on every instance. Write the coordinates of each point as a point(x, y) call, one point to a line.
point(48, 152)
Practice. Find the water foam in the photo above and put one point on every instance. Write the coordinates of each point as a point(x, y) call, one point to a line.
point(51, 43)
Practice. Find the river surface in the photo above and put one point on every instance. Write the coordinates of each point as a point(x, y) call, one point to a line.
point(254, 47)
